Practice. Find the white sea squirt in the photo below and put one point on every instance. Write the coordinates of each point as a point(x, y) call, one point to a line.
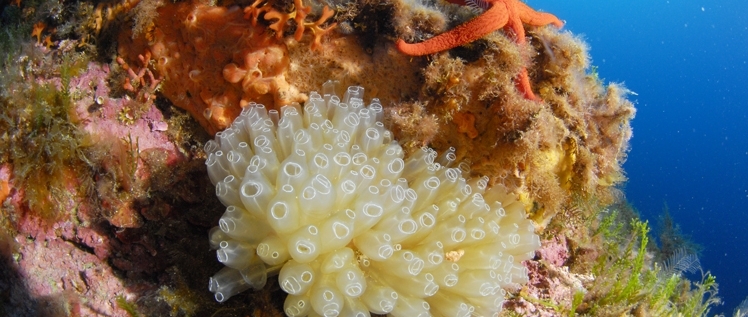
point(322, 196)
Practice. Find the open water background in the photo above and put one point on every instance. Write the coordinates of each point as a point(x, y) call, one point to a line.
point(687, 60)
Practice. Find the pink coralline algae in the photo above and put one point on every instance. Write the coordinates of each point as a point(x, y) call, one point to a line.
point(135, 133)
point(116, 118)
point(554, 251)
point(550, 281)
point(66, 267)
point(58, 271)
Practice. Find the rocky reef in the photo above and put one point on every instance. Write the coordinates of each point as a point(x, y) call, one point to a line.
point(107, 109)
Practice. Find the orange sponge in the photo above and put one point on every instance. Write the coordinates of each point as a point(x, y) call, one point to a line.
point(215, 60)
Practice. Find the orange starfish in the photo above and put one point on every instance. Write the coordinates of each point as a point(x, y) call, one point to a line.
point(507, 14)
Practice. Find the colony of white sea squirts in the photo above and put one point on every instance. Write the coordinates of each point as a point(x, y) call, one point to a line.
point(322, 197)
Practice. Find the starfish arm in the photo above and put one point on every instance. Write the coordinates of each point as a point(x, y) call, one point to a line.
point(535, 18)
point(523, 85)
point(493, 19)
point(514, 24)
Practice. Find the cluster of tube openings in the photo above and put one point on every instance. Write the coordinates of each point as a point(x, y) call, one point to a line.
point(323, 198)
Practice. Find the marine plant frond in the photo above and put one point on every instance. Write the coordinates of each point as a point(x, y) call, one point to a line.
point(742, 309)
point(681, 261)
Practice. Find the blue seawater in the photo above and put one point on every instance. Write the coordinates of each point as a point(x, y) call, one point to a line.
point(687, 61)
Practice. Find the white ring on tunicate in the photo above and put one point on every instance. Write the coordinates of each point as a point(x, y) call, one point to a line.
point(343, 136)
point(373, 210)
point(431, 288)
point(321, 184)
point(410, 194)
point(477, 234)
point(452, 174)
point(426, 220)
point(279, 210)
point(396, 166)
point(257, 163)
point(261, 141)
point(398, 195)
point(415, 266)
point(340, 230)
point(385, 251)
point(308, 193)
point(458, 235)
point(359, 158)
point(367, 171)
point(251, 189)
point(313, 230)
point(320, 160)
point(233, 157)
point(352, 120)
point(372, 133)
point(514, 238)
point(342, 159)
point(305, 247)
point(302, 137)
point(292, 169)
point(407, 226)
point(348, 186)
point(354, 289)
point(501, 212)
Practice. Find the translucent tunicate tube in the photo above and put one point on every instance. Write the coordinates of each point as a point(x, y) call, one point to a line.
point(488, 305)
point(255, 274)
point(476, 283)
point(296, 278)
point(379, 299)
point(283, 213)
point(227, 191)
point(351, 281)
point(446, 275)
point(218, 167)
point(354, 308)
point(297, 305)
point(337, 231)
point(367, 216)
point(432, 253)
point(411, 307)
point(215, 236)
point(293, 171)
point(237, 162)
point(404, 263)
point(353, 92)
point(226, 283)
point(304, 244)
point(302, 140)
point(420, 286)
point(376, 245)
point(255, 195)
point(319, 164)
point(273, 250)
point(317, 198)
point(326, 299)
point(239, 224)
point(450, 305)
point(235, 254)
